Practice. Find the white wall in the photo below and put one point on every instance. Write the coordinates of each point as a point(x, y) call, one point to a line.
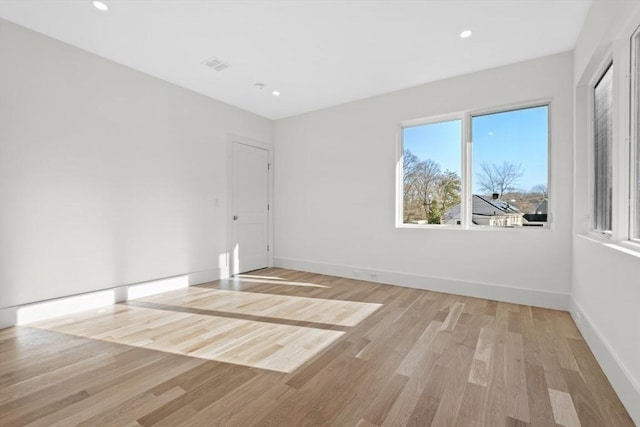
point(107, 176)
point(606, 286)
point(335, 192)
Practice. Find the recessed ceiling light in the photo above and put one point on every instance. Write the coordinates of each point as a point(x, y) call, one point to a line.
point(466, 34)
point(275, 93)
point(100, 6)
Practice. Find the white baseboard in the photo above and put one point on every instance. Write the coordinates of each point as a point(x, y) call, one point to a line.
point(40, 310)
point(619, 376)
point(498, 292)
point(205, 276)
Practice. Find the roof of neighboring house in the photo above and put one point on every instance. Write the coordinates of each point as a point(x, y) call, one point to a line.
point(485, 207)
point(543, 207)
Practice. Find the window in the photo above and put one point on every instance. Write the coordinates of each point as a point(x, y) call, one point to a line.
point(609, 128)
point(602, 144)
point(510, 167)
point(505, 166)
point(635, 120)
point(431, 158)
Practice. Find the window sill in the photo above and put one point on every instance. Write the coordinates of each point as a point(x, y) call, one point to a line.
point(630, 247)
point(625, 246)
point(428, 227)
point(598, 236)
point(474, 228)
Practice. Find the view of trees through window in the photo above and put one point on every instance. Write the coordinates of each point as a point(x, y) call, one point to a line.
point(509, 170)
point(431, 171)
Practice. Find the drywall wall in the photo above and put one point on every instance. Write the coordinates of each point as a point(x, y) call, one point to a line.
point(606, 287)
point(335, 192)
point(605, 305)
point(107, 176)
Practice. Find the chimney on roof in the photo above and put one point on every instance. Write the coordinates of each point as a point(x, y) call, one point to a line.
point(495, 196)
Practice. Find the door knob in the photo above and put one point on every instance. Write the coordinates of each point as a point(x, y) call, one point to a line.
point(235, 217)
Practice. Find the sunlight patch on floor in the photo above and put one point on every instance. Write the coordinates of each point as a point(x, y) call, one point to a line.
point(261, 345)
point(258, 279)
point(317, 310)
point(255, 276)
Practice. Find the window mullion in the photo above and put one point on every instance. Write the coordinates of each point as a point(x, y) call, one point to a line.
point(467, 195)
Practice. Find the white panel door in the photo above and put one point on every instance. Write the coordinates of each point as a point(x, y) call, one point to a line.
point(250, 208)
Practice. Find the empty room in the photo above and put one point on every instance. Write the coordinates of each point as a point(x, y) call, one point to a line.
point(295, 213)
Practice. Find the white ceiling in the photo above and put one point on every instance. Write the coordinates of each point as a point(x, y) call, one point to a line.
point(316, 53)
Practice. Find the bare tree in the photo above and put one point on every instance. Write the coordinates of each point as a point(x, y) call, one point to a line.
point(448, 190)
point(429, 173)
point(540, 188)
point(499, 179)
point(410, 171)
point(428, 191)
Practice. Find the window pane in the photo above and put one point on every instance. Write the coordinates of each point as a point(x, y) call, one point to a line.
point(603, 135)
point(635, 98)
point(431, 173)
point(510, 168)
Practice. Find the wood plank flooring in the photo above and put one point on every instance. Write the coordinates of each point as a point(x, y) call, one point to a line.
point(286, 348)
point(244, 342)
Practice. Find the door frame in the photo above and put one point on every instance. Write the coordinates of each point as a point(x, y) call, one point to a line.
point(237, 139)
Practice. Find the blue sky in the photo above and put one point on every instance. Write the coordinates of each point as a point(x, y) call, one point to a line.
point(513, 136)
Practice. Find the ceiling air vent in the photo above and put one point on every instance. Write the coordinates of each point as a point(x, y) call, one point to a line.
point(216, 63)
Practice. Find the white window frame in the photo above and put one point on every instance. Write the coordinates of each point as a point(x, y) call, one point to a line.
point(634, 137)
point(624, 143)
point(466, 148)
point(400, 166)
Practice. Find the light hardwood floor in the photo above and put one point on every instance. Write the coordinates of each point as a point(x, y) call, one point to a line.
point(285, 348)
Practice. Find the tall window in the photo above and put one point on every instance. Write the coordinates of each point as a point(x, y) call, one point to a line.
point(431, 171)
point(602, 159)
point(505, 166)
point(510, 167)
point(635, 120)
